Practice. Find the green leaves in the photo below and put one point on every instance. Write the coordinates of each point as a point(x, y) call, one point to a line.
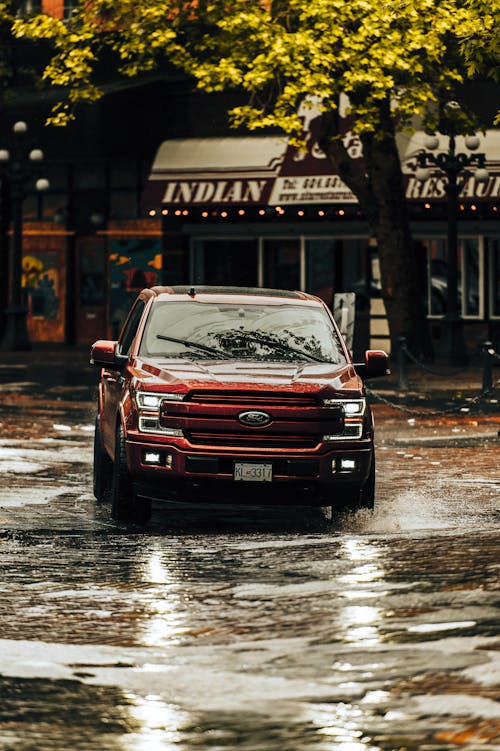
point(281, 51)
point(480, 38)
point(285, 51)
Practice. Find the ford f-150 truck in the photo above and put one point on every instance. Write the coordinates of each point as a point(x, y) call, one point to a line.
point(232, 394)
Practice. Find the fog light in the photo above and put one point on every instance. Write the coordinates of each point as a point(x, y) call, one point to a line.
point(334, 465)
point(347, 465)
point(151, 457)
point(157, 459)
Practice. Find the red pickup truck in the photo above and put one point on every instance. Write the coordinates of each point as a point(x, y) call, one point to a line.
point(237, 394)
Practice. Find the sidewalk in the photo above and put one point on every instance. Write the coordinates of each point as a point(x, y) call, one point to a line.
point(49, 365)
point(437, 411)
point(47, 355)
point(467, 380)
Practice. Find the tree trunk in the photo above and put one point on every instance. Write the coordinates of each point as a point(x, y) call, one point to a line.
point(401, 286)
point(5, 208)
point(381, 195)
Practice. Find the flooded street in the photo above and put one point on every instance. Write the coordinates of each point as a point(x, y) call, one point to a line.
point(262, 629)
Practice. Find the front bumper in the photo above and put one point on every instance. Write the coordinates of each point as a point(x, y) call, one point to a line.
point(297, 477)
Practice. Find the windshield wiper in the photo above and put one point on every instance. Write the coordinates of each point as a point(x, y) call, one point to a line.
point(278, 345)
point(188, 343)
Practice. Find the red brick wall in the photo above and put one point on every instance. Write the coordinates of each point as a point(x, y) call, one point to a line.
point(53, 8)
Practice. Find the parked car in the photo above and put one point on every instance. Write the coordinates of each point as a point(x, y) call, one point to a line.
point(439, 291)
point(235, 394)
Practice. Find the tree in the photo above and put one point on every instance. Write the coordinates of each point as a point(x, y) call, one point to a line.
point(480, 41)
point(7, 13)
point(395, 61)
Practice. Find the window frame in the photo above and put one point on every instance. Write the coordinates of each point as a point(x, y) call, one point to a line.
point(479, 239)
point(130, 328)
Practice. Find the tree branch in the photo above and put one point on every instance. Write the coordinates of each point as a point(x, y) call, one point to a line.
point(350, 170)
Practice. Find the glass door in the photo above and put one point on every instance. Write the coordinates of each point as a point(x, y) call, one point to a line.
point(282, 263)
point(493, 246)
point(226, 263)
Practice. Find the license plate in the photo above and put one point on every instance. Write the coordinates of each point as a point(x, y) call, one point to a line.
point(253, 472)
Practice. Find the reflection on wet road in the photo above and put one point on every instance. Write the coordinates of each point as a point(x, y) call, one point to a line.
point(257, 629)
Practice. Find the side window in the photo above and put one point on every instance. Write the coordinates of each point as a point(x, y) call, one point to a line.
point(493, 245)
point(130, 329)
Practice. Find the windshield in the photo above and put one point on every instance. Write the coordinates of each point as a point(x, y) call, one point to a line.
point(201, 330)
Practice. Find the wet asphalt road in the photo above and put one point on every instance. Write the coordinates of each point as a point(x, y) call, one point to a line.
point(270, 629)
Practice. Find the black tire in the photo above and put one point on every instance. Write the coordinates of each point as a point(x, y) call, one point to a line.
point(367, 495)
point(125, 505)
point(354, 499)
point(103, 467)
point(348, 501)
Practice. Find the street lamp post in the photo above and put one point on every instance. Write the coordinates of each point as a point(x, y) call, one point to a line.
point(452, 164)
point(17, 167)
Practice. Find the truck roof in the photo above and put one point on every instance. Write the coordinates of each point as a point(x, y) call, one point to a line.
point(194, 290)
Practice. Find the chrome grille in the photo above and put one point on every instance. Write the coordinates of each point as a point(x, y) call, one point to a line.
point(255, 441)
point(253, 399)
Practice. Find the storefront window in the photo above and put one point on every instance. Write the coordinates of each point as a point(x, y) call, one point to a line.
point(322, 268)
point(69, 8)
point(30, 7)
point(92, 273)
point(493, 249)
point(339, 265)
point(437, 260)
point(469, 277)
point(282, 264)
point(226, 262)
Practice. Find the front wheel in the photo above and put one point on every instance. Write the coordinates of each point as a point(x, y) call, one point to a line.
point(103, 467)
point(126, 506)
point(367, 495)
point(356, 498)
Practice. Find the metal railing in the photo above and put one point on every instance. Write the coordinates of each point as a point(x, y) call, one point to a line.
point(404, 357)
point(489, 358)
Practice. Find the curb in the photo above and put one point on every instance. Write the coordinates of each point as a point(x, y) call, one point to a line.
point(446, 441)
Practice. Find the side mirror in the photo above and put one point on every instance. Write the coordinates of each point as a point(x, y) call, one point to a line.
point(376, 364)
point(104, 355)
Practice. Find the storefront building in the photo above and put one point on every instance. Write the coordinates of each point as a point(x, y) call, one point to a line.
point(244, 211)
point(222, 210)
point(255, 211)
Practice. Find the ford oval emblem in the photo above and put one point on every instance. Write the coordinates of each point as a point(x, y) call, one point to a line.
point(254, 419)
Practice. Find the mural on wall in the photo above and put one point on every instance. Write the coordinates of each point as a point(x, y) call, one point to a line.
point(44, 287)
point(133, 265)
point(41, 282)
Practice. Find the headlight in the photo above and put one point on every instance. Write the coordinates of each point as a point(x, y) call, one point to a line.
point(151, 401)
point(352, 407)
point(148, 401)
point(148, 404)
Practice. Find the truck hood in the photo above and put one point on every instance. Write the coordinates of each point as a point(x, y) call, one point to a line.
point(186, 375)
